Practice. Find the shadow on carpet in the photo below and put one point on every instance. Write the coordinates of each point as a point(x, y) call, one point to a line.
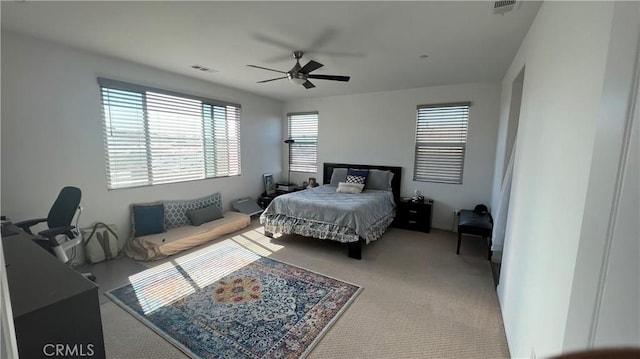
point(232, 303)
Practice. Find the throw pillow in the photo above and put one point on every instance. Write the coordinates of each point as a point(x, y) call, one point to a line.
point(357, 176)
point(203, 215)
point(147, 219)
point(379, 179)
point(175, 212)
point(338, 175)
point(346, 187)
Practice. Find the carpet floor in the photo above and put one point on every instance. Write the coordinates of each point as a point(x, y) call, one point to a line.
point(420, 300)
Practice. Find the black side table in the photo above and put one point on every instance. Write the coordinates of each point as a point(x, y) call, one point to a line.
point(264, 200)
point(414, 215)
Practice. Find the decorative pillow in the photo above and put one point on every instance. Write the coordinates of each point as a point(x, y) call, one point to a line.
point(357, 176)
point(338, 175)
point(346, 187)
point(176, 211)
point(379, 179)
point(147, 219)
point(203, 215)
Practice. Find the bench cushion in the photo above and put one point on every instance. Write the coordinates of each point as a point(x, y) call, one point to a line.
point(473, 223)
point(157, 246)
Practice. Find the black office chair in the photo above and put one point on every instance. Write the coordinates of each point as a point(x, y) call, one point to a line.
point(59, 222)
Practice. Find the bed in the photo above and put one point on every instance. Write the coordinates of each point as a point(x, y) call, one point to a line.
point(321, 212)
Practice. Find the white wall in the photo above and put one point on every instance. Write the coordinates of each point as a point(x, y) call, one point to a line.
point(565, 54)
point(52, 132)
point(379, 129)
point(605, 302)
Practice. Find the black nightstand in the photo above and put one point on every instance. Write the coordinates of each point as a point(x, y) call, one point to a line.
point(265, 199)
point(415, 216)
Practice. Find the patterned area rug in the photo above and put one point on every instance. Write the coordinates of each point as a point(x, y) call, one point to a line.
point(231, 303)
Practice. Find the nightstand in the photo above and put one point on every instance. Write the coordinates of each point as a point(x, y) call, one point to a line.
point(265, 199)
point(415, 216)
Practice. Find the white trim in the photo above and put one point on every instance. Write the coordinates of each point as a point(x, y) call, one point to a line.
point(8, 345)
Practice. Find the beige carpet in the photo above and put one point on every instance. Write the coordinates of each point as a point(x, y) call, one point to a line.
point(420, 300)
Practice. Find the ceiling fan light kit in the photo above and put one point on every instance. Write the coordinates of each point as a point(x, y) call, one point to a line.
point(300, 75)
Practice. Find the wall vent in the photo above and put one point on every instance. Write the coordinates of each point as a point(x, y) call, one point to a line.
point(203, 68)
point(501, 7)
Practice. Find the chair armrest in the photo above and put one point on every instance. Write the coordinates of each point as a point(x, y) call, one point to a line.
point(51, 233)
point(26, 225)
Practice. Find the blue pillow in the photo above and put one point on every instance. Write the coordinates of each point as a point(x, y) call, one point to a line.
point(357, 176)
point(148, 219)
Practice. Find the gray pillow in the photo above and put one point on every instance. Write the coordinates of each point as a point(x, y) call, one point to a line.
point(379, 179)
point(203, 215)
point(338, 175)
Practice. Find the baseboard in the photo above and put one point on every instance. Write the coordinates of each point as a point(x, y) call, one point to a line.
point(495, 271)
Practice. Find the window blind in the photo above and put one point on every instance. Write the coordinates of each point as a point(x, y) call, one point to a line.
point(303, 129)
point(154, 136)
point(441, 136)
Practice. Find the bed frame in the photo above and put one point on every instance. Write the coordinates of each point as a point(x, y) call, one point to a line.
point(355, 248)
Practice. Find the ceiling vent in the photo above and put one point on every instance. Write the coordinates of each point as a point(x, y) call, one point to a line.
point(501, 7)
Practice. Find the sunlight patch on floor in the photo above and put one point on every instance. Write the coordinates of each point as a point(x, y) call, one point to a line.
point(180, 277)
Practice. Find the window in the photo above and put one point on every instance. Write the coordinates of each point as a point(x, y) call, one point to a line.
point(441, 137)
point(303, 129)
point(155, 136)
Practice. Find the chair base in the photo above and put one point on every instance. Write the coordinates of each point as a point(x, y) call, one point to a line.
point(484, 238)
point(480, 224)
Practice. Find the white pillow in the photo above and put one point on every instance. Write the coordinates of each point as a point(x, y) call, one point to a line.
point(344, 187)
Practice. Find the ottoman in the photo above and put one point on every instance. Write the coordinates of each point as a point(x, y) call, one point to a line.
point(476, 223)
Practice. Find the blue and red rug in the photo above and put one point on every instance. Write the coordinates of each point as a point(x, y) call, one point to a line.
point(232, 303)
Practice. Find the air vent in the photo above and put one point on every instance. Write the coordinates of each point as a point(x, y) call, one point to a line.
point(202, 68)
point(501, 7)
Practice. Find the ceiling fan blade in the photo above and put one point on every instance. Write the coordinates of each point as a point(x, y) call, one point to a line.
point(275, 59)
point(310, 66)
point(277, 78)
point(308, 85)
point(330, 77)
point(325, 37)
point(274, 42)
point(266, 68)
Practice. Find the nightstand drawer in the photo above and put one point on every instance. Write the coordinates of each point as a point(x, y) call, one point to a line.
point(414, 212)
point(414, 226)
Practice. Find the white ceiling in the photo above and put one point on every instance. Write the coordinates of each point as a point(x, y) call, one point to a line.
point(378, 44)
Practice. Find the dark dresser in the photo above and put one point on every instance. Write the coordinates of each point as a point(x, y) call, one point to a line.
point(413, 215)
point(54, 307)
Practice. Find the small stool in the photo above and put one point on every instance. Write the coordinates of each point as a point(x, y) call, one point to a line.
point(472, 222)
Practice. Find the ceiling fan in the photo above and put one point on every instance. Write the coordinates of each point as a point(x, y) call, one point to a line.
point(300, 75)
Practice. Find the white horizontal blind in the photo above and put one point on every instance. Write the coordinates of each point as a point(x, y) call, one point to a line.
point(303, 129)
point(155, 137)
point(441, 137)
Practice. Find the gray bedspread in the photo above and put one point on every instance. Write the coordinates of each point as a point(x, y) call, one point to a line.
point(358, 212)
